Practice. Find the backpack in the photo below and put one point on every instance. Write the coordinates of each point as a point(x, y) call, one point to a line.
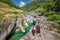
point(38, 28)
point(34, 22)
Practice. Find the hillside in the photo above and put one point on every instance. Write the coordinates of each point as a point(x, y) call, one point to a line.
point(35, 4)
point(48, 8)
point(9, 13)
point(10, 3)
point(8, 10)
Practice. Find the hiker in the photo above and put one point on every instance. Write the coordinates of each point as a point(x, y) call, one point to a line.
point(34, 22)
point(37, 30)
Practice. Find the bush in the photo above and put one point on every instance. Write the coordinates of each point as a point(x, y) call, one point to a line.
point(15, 12)
point(40, 9)
point(49, 13)
point(54, 17)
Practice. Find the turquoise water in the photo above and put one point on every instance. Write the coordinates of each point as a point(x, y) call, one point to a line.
point(19, 35)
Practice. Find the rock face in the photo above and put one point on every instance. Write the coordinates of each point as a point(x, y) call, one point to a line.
point(48, 35)
point(21, 24)
point(5, 29)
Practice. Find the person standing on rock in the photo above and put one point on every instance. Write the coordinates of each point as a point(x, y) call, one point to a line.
point(37, 30)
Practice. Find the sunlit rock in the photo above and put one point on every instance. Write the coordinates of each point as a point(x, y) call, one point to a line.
point(19, 24)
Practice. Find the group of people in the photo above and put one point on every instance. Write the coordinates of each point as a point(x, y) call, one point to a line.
point(37, 30)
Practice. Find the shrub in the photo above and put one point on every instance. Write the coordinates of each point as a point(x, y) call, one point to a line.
point(54, 17)
point(49, 13)
point(15, 12)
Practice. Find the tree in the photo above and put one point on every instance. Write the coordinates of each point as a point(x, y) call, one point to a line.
point(57, 5)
